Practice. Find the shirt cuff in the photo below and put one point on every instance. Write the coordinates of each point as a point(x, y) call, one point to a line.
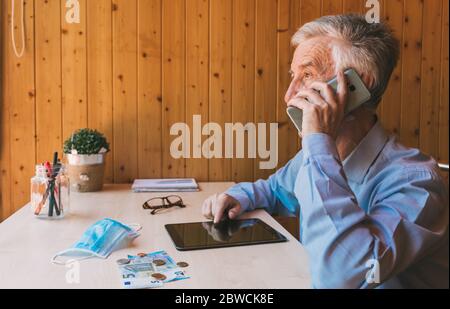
point(319, 144)
point(236, 193)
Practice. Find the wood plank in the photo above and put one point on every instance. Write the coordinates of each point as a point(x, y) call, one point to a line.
point(243, 80)
point(149, 89)
point(332, 7)
point(21, 109)
point(310, 10)
point(431, 76)
point(266, 75)
point(74, 74)
point(125, 90)
point(444, 102)
point(412, 53)
point(291, 224)
point(391, 106)
point(173, 81)
point(295, 24)
point(99, 74)
point(295, 15)
point(220, 76)
point(197, 81)
point(5, 141)
point(354, 6)
point(383, 19)
point(287, 133)
point(48, 79)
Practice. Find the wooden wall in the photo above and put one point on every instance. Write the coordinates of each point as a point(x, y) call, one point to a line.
point(132, 68)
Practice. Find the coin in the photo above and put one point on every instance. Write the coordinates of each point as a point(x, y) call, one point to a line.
point(159, 262)
point(142, 254)
point(159, 276)
point(182, 264)
point(123, 261)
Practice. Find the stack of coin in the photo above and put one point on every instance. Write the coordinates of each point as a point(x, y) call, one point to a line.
point(182, 264)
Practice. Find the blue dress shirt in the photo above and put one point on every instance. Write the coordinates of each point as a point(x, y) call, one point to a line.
point(378, 219)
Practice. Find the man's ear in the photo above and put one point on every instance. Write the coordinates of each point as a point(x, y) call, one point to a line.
point(368, 80)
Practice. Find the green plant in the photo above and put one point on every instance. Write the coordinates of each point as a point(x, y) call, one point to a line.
point(87, 142)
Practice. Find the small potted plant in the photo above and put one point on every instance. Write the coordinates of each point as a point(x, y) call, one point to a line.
point(85, 151)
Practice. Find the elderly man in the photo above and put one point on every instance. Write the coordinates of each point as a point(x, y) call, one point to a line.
point(363, 199)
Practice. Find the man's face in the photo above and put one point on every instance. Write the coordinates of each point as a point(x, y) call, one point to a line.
point(312, 61)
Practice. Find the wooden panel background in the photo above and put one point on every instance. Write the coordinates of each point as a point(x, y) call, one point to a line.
point(131, 68)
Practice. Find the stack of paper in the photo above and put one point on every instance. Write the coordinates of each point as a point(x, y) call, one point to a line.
point(165, 185)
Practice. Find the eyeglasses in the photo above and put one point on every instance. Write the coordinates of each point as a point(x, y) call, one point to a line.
point(158, 203)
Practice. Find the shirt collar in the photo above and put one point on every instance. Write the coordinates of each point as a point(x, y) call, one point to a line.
point(357, 164)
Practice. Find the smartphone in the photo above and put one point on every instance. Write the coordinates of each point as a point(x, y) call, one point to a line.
point(358, 94)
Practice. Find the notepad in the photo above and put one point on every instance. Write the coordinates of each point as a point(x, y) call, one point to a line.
point(165, 185)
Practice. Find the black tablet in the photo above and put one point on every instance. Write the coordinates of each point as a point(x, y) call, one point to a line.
point(228, 233)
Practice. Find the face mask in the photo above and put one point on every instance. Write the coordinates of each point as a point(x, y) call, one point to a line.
point(99, 240)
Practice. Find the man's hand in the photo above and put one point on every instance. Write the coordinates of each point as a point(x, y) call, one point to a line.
point(219, 206)
point(322, 112)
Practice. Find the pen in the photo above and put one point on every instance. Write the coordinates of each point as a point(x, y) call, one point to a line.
point(56, 169)
point(52, 186)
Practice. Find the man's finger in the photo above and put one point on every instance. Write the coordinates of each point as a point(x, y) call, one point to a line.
point(218, 212)
point(233, 212)
point(218, 209)
point(207, 209)
point(204, 205)
point(342, 88)
point(313, 97)
point(326, 91)
point(302, 104)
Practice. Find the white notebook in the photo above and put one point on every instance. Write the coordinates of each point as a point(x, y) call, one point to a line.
point(165, 185)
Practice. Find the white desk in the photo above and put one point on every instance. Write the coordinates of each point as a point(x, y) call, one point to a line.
point(27, 244)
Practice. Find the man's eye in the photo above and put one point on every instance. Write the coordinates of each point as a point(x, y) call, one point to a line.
point(307, 75)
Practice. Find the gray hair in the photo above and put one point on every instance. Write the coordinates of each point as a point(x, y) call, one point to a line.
point(368, 48)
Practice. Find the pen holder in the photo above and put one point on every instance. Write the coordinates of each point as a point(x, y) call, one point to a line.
point(50, 192)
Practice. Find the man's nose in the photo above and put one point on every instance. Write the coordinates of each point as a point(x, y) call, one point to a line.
point(291, 92)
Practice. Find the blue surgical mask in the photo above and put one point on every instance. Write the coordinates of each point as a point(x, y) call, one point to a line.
point(99, 240)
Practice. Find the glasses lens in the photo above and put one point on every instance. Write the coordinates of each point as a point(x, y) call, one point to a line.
point(174, 200)
point(156, 202)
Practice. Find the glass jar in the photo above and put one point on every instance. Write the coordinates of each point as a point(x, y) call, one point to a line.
point(50, 192)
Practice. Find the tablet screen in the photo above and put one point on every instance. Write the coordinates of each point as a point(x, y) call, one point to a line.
point(228, 233)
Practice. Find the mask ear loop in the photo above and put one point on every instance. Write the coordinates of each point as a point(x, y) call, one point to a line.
point(71, 259)
point(18, 55)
